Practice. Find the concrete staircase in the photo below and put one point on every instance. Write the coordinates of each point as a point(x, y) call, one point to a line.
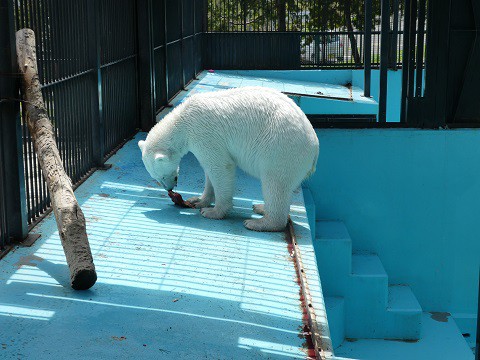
point(360, 302)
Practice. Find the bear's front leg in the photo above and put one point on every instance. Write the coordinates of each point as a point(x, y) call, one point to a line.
point(222, 178)
point(207, 198)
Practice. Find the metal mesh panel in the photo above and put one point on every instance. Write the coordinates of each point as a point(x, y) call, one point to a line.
point(332, 33)
point(72, 57)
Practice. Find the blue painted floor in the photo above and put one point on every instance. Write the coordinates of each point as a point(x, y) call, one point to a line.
point(219, 80)
point(312, 97)
point(171, 284)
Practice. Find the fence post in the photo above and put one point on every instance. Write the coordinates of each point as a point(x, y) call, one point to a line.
point(146, 71)
point(194, 41)
point(205, 16)
point(477, 342)
point(15, 225)
point(420, 44)
point(384, 50)
point(368, 48)
point(94, 52)
point(165, 48)
point(316, 49)
point(405, 61)
point(182, 43)
point(394, 37)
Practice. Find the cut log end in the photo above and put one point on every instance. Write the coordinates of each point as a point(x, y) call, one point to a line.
point(84, 279)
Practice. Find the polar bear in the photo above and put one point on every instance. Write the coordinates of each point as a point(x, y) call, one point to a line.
point(260, 130)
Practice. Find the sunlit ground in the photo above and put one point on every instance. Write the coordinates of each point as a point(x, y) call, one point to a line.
point(171, 284)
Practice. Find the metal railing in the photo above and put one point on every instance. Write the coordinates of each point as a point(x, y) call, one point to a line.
point(91, 66)
point(331, 34)
point(87, 67)
point(177, 46)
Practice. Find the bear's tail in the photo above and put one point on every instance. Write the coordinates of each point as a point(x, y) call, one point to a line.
point(314, 166)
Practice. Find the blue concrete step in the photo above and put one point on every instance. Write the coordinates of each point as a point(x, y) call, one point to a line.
point(366, 298)
point(404, 314)
point(440, 340)
point(310, 208)
point(335, 307)
point(370, 308)
point(333, 248)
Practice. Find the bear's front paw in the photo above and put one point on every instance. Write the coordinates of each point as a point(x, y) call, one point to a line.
point(212, 213)
point(199, 203)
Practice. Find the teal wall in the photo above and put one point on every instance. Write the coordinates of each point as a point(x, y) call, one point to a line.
point(412, 197)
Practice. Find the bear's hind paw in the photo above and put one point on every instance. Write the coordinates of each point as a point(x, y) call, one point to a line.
point(262, 225)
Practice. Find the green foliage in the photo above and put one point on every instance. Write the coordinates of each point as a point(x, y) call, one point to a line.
point(301, 15)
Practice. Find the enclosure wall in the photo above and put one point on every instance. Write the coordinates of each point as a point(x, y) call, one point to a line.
point(411, 196)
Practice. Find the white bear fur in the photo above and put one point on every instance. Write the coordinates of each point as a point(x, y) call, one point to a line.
point(260, 130)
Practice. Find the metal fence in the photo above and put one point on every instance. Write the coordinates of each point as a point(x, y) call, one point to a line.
point(91, 65)
point(87, 67)
point(3, 212)
point(331, 34)
point(177, 46)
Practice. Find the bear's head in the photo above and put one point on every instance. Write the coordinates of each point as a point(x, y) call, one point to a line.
point(162, 166)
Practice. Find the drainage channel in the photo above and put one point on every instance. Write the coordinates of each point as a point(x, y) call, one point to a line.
point(315, 347)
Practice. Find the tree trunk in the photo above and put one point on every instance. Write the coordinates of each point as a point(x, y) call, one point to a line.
point(351, 36)
point(282, 15)
point(69, 216)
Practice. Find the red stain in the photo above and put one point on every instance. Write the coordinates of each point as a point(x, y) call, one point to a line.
point(305, 333)
point(119, 338)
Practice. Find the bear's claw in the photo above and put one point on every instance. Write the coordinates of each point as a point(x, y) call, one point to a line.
point(198, 203)
point(259, 209)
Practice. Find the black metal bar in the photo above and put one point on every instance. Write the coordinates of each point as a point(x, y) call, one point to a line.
point(3, 209)
point(385, 28)
point(193, 39)
point(96, 80)
point(477, 348)
point(13, 183)
point(393, 39)
point(420, 44)
point(368, 48)
point(411, 49)
point(146, 76)
point(405, 61)
point(68, 78)
point(115, 62)
point(165, 45)
point(182, 43)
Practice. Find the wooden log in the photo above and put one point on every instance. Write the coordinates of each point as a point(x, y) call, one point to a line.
point(69, 215)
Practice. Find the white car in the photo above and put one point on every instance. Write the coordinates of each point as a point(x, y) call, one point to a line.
point(313, 48)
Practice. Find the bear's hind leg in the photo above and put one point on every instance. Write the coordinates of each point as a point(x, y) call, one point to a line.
point(207, 197)
point(277, 198)
point(223, 179)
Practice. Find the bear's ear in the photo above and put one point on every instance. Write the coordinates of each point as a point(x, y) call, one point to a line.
point(141, 145)
point(160, 156)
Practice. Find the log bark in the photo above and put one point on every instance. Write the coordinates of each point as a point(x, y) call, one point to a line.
point(68, 214)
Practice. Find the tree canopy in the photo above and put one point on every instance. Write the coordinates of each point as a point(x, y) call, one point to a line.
point(293, 15)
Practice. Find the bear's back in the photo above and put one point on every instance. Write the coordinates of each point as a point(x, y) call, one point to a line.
point(258, 126)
